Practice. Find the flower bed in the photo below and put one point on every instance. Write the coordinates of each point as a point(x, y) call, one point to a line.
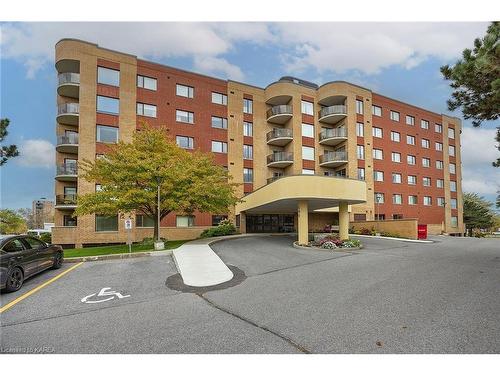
point(332, 241)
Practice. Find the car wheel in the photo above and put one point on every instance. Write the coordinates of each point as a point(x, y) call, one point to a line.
point(15, 279)
point(58, 260)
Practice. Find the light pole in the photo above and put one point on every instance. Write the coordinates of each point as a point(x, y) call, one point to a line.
point(158, 218)
point(377, 199)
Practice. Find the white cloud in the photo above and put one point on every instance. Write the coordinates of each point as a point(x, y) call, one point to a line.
point(213, 65)
point(36, 153)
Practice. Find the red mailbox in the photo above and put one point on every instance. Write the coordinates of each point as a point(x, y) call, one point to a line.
point(422, 231)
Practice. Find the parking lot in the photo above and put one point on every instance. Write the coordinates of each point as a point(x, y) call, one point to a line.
point(390, 297)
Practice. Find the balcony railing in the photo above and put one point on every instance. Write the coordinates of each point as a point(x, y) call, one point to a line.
point(68, 108)
point(279, 133)
point(69, 78)
point(333, 156)
point(333, 133)
point(71, 139)
point(279, 157)
point(274, 178)
point(283, 109)
point(67, 170)
point(66, 200)
point(333, 110)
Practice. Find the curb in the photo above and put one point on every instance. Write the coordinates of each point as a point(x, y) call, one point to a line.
point(392, 238)
point(337, 250)
point(95, 258)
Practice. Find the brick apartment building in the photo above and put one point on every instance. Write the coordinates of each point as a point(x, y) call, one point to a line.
point(305, 155)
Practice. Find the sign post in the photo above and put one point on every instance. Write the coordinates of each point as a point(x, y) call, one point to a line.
point(128, 228)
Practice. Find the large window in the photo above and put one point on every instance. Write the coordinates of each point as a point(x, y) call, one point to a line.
point(439, 146)
point(378, 176)
point(396, 157)
point(453, 203)
point(440, 201)
point(218, 146)
point(360, 129)
point(308, 130)
point(147, 83)
point(359, 107)
point(411, 160)
point(248, 106)
point(106, 104)
point(219, 122)
point(184, 142)
point(247, 129)
point(451, 133)
point(184, 116)
point(361, 173)
point(185, 91)
point(184, 221)
point(105, 223)
point(424, 124)
point(454, 221)
point(440, 183)
point(377, 132)
point(397, 199)
point(148, 110)
point(426, 162)
point(378, 154)
point(395, 136)
point(410, 120)
point(427, 201)
point(394, 116)
point(410, 139)
point(412, 200)
point(307, 153)
point(439, 164)
point(426, 181)
point(451, 150)
point(307, 108)
point(143, 221)
point(248, 152)
point(453, 186)
point(438, 128)
point(106, 134)
point(360, 152)
point(307, 171)
point(376, 110)
point(396, 178)
point(412, 180)
point(452, 168)
point(216, 219)
point(248, 175)
point(218, 98)
point(108, 76)
point(425, 143)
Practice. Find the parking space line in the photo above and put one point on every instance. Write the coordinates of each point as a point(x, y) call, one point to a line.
point(34, 290)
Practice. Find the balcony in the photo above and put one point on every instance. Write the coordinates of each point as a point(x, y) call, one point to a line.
point(66, 201)
point(68, 114)
point(280, 159)
point(279, 137)
point(67, 144)
point(279, 114)
point(332, 114)
point(69, 85)
point(332, 137)
point(67, 172)
point(333, 159)
point(274, 178)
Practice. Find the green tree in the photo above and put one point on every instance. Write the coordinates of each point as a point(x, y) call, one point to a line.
point(477, 213)
point(130, 173)
point(11, 222)
point(6, 152)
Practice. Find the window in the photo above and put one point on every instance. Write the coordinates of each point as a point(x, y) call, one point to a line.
point(411, 160)
point(426, 181)
point(378, 176)
point(410, 139)
point(108, 76)
point(378, 154)
point(308, 130)
point(453, 186)
point(426, 162)
point(395, 137)
point(451, 150)
point(376, 110)
point(219, 122)
point(397, 199)
point(425, 143)
point(360, 152)
point(185, 91)
point(248, 152)
point(108, 105)
point(396, 157)
point(412, 200)
point(248, 175)
point(427, 201)
point(454, 221)
point(184, 116)
point(396, 178)
point(184, 221)
point(451, 133)
point(439, 164)
point(361, 173)
point(412, 180)
point(440, 201)
point(105, 223)
point(218, 146)
point(147, 110)
point(440, 183)
point(377, 132)
point(143, 221)
point(307, 108)
point(394, 116)
point(359, 217)
point(218, 98)
point(184, 142)
point(410, 120)
point(247, 129)
point(438, 128)
point(439, 146)
point(379, 217)
point(379, 197)
point(424, 124)
point(147, 83)
point(360, 129)
point(247, 106)
point(453, 203)
point(107, 134)
point(13, 246)
point(307, 153)
point(359, 107)
point(397, 216)
point(34, 243)
point(452, 168)
point(307, 171)
point(216, 219)
point(69, 221)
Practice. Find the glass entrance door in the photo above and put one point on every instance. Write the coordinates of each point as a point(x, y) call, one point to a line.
point(270, 223)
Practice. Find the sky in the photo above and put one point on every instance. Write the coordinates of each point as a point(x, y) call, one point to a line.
point(399, 60)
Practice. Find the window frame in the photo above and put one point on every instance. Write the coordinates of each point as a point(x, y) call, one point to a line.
point(106, 127)
point(100, 68)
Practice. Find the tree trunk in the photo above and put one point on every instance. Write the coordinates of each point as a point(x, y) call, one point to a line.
point(156, 229)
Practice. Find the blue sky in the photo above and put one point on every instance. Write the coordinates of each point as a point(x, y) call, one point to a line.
point(400, 60)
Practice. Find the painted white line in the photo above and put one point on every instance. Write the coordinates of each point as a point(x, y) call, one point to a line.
point(392, 238)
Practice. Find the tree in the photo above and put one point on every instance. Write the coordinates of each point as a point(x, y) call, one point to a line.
point(6, 152)
point(27, 215)
point(11, 222)
point(477, 213)
point(129, 175)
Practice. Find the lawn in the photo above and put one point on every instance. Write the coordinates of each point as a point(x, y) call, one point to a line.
point(116, 249)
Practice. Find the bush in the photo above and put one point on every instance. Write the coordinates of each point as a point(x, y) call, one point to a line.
point(351, 243)
point(46, 237)
point(365, 231)
point(328, 245)
point(225, 228)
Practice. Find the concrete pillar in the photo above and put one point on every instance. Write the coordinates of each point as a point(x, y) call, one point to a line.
point(243, 223)
point(343, 221)
point(303, 227)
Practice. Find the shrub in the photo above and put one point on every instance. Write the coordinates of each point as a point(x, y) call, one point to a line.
point(351, 243)
point(365, 231)
point(46, 237)
point(225, 228)
point(328, 245)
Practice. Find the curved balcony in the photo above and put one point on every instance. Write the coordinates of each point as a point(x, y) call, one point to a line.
point(279, 114)
point(274, 178)
point(332, 137)
point(67, 144)
point(332, 114)
point(67, 172)
point(279, 137)
point(333, 159)
point(69, 85)
point(68, 66)
point(66, 201)
point(68, 113)
point(280, 159)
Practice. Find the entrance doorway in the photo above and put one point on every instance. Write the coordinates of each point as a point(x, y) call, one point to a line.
point(270, 223)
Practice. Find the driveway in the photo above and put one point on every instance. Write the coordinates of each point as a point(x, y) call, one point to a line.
point(390, 297)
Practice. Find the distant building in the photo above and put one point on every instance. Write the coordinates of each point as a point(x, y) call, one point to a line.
point(43, 212)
